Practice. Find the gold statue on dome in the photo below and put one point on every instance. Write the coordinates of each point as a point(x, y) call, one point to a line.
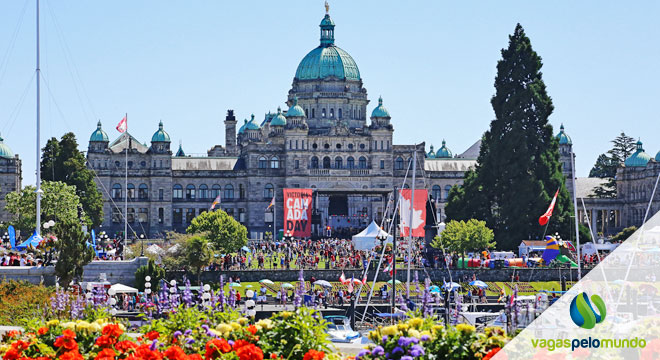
point(327, 7)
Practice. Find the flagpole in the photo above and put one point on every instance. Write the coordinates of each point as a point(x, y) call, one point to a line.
point(274, 237)
point(128, 144)
point(410, 225)
point(38, 190)
point(577, 225)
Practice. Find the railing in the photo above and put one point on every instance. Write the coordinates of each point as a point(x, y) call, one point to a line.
point(359, 172)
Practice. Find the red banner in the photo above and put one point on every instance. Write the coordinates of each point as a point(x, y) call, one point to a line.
point(419, 212)
point(298, 212)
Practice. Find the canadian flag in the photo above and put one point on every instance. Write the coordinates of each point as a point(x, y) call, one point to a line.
point(418, 212)
point(543, 220)
point(350, 285)
point(342, 278)
point(123, 125)
point(389, 268)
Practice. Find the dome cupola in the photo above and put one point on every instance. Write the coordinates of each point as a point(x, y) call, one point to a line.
point(563, 138)
point(242, 128)
point(252, 124)
point(657, 157)
point(295, 110)
point(380, 111)
point(431, 153)
point(98, 134)
point(639, 158)
point(5, 150)
point(443, 152)
point(160, 135)
point(180, 152)
point(278, 119)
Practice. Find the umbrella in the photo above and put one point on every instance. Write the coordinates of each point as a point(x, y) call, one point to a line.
point(479, 284)
point(323, 283)
point(287, 286)
point(451, 286)
point(234, 284)
point(395, 281)
point(246, 249)
point(266, 281)
point(434, 288)
point(248, 286)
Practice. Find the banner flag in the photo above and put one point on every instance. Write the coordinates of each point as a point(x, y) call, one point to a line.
point(12, 236)
point(419, 212)
point(298, 212)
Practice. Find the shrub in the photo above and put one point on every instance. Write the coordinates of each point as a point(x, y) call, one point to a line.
point(21, 300)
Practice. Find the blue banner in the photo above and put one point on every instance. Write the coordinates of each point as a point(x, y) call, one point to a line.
point(93, 238)
point(12, 236)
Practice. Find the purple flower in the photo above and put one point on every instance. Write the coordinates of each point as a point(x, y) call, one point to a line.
point(190, 341)
point(231, 342)
point(177, 334)
point(397, 349)
point(404, 341)
point(205, 327)
point(152, 347)
point(187, 332)
point(362, 353)
point(406, 357)
point(425, 338)
point(416, 351)
point(414, 340)
point(384, 339)
point(378, 350)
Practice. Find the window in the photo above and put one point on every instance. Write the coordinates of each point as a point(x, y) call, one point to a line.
point(315, 162)
point(117, 164)
point(203, 191)
point(229, 192)
point(447, 189)
point(161, 215)
point(338, 146)
point(116, 215)
point(350, 146)
point(350, 162)
point(338, 163)
point(314, 146)
point(339, 113)
point(131, 215)
point(362, 146)
point(363, 162)
point(161, 194)
point(382, 164)
point(130, 164)
point(177, 192)
point(323, 112)
point(307, 113)
point(190, 215)
point(130, 191)
point(215, 191)
point(274, 163)
point(269, 191)
point(143, 163)
point(116, 191)
point(263, 163)
point(143, 192)
point(326, 146)
point(230, 212)
point(190, 192)
point(143, 215)
point(313, 114)
point(332, 113)
point(296, 144)
point(326, 162)
point(241, 191)
point(436, 192)
point(241, 215)
point(177, 216)
point(297, 164)
point(398, 164)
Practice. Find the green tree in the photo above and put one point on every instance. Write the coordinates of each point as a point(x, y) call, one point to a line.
point(624, 234)
point(73, 252)
point(606, 165)
point(226, 234)
point(603, 168)
point(465, 236)
point(198, 254)
point(59, 202)
point(518, 169)
point(62, 161)
point(151, 269)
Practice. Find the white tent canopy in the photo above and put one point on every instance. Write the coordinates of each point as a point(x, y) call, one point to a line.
point(367, 239)
point(123, 289)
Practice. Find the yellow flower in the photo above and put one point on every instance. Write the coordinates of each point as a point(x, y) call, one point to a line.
point(69, 325)
point(4, 348)
point(286, 314)
point(95, 327)
point(242, 321)
point(283, 342)
point(265, 323)
point(416, 322)
point(465, 328)
point(52, 323)
point(414, 333)
point(215, 332)
point(425, 332)
point(402, 327)
point(82, 325)
point(389, 330)
point(235, 325)
point(223, 328)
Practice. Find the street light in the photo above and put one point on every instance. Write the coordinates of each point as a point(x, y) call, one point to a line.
point(142, 241)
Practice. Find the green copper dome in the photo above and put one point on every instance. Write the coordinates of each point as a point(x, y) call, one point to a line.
point(99, 134)
point(295, 110)
point(180, 152)
point(278, 119)
point(252, 125)
point(5, 151)
point(563, 138)
point(160, 135)
point(431, 154)
point(380, 110)
point(443, 152)
point(639, 158)
point(657, 157)
point(242, 129)
point(327, 60)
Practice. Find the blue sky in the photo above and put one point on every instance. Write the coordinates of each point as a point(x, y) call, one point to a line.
point(187, 62)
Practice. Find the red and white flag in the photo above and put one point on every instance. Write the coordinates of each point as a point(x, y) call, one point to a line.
point(342, 278)
point(350, 285)
point(418, 212)
point(389, 268)
point(364, 279)
point(123, 125)
point(543, 220)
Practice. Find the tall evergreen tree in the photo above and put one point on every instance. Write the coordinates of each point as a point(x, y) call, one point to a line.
point(603, 168)
point(518, 168)
point(62, 161)
point(606, 165)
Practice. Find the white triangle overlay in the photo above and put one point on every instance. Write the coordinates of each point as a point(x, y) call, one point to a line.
point(617, 280)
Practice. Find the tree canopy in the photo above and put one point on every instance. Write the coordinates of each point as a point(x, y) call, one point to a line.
point(73, 251)
point(606, 165)
point(226, 234)
point(518, 169)
point(62, 161)
point(465, 236)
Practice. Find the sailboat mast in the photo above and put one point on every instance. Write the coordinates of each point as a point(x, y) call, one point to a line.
point(38, 191)
point(410, 224)
point(128, 145)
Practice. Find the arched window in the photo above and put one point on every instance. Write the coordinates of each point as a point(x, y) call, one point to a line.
point(354, 113)
point(274, 163)
point(130, 191)
point(177, 192)
point(362, 162)
point(269, 191)
point(190, 192)
point(332, 113)
point(338, 162)
point(436, 192)
point(307, 113)
point(326, 162)
point(350, 162)
point(116, 191)
point(229, 192)
point(314, 162)
point(447, 189)
point(131, 215)
point(143, 192)
point(203, 191)
point(323, 112)
point(263, 162)
point(215, 191)
point(398, 163)
point(313, 113)
point(339, 113)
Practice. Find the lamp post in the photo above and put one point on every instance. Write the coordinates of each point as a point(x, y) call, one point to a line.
point(147, 285)
point(142, 242)
point(5, 239)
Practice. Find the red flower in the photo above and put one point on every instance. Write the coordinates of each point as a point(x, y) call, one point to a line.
point(105, 341)
point(314, 355)
point(144, 353)
point(175, 353)
point(20, 345)
point(273, 356)
point(12, 354)
point(112, 330)
point(492, 353)
point(249, 352)
point(67, 340)
point(240, 343)
point(13, 333)
point(106, 354)
point(216, 347)
point(124, 346)
point(195, 357)
point(42, 330)
point(252, 329)
point(71, 355)
point(152, 335)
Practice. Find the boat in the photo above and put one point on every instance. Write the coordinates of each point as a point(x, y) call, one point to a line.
point(340, 331)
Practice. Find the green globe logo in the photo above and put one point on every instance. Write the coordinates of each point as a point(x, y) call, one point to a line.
point(583, 314)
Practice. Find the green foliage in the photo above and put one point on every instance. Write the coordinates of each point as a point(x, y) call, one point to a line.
point(22, 301)
point(73, 252)
point(62, 161)
point(518, 168)
point(151, 269)
point(59, 202)
point(606, 165)
point(465, 236)
point(294, 333)
point(226, 234)
point(585, 234)
point(198, 254)
point(624, 234)
point(603, 168)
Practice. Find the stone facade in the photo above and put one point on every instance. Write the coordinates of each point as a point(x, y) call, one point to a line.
point(10, 176)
